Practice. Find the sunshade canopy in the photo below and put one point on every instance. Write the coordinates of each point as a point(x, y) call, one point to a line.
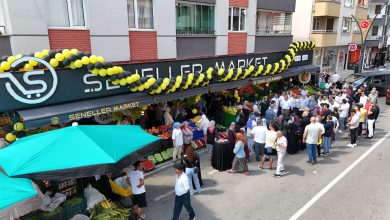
point(15, 190)
point(77, 151)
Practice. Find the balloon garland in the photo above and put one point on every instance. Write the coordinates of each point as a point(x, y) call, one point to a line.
point(75, 59)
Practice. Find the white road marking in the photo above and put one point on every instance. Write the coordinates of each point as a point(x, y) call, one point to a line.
point(212, 172)
point(313, 200)
point(163, 195)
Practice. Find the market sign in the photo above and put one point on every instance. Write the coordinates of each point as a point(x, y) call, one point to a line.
point(43, 88)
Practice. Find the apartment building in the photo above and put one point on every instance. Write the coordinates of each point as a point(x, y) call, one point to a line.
point(330, 25)
point(146, 30)
point(377, 38)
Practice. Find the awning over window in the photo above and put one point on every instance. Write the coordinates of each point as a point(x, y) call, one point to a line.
point(62, 113)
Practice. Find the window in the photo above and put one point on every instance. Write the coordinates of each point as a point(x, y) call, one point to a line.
point(346, 27)
point(273, 22)
point(378, 9)
point(140, 14)
point(65, 13)
point(348, 3)
point(194, 19)
point(237, 19)
point(375, 30)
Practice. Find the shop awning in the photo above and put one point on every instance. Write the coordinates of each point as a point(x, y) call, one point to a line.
point(62, 113)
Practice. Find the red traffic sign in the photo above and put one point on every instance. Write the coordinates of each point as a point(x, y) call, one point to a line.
point(364, 24)
point(352, 47)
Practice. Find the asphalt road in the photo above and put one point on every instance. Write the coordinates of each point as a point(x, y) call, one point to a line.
point(351, 183)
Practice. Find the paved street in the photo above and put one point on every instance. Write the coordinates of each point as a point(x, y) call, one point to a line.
point(361, 193)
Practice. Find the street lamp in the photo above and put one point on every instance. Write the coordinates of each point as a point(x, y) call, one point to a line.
point(365, 37)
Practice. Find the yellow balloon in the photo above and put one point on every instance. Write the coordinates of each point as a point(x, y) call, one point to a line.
point(79, 64)
point(66, 53)
point(45, 52)
point(10, 137)
point(122, 82)
point(54, 62)
point(93, 59)
point(74, 51)
point(5, 65)
point(28, 67)
point(85, 60)
point(38, 55)
point(103, 72)
point(59, 56)
point(100, 59)
point(33, 62)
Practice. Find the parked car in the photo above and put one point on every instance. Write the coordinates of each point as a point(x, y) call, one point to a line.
point(388, 96)
point(379, 79)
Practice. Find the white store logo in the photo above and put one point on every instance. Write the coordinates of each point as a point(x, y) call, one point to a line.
point(34, 96)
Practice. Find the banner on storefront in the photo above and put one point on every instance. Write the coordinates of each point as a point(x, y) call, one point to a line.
point(53, 86)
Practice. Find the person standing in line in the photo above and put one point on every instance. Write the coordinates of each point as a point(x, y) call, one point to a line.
point(192, 164)
point(250, 124)
point(329, 128)
point(136, 181)
point(177, 139)
point(182, 192)
point(281, 148)
point(187, 136)
point(258, 135)
point(270, 151)
point(311, 137)
point(211, 136)
point(239, 163)
point(353, 128)
point(372, 112)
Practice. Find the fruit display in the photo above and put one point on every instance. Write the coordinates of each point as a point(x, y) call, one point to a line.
point(109, 210)
point(231, 110)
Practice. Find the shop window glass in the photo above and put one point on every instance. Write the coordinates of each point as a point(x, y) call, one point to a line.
point(140, 14)
point(273, 23)
point(237, 19)
point(194, 19)
point(65, 13)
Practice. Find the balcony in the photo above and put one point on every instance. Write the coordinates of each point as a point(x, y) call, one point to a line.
point(324, 38)
point(361, 12)
point(330, 8)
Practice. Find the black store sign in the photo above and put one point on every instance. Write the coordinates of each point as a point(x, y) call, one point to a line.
point(40, 88)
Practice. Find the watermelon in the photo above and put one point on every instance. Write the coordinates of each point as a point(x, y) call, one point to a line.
point(158, 157)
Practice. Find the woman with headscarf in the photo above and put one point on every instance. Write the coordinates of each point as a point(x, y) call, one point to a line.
point(239, 162)
point(211, 136)
point(251, 123)
point(204, 124)
point(168, 117)
point(232, 137)
point(292, 136)
point(187, 135)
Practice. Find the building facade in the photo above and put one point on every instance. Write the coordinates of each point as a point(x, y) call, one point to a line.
point(332, 28)
point(146, 30)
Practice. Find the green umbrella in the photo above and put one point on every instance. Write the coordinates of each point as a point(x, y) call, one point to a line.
point(77, 151)
point(17, 197)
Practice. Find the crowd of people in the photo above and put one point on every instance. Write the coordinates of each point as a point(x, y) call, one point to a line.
point(288, 122)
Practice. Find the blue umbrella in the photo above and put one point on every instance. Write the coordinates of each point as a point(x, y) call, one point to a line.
point(77, 151)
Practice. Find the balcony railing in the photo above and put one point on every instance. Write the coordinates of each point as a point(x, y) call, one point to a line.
point(334, 1)
point(323, 31)
point(2, 30)
point(270, 31)
point(195, 32)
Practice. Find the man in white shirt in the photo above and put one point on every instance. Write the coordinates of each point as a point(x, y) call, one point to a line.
point(177, 139)
point(182, 192)
point(311, 137)
point(258, 134)
point(281, 148)
point(136, 181)
point(353, 127)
